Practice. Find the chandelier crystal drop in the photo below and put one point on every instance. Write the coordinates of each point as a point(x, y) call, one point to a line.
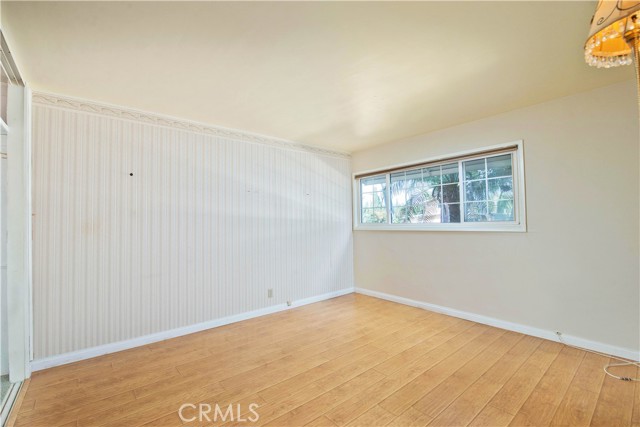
point(613, 27)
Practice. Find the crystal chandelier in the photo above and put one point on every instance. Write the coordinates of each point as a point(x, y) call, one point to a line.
point(614, 37)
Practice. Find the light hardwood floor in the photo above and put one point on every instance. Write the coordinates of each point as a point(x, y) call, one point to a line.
point(353, 360)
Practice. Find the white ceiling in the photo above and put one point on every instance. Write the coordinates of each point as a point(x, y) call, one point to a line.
point(339, 75)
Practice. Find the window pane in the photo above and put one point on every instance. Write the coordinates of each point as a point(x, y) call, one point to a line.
point(407, 196)
point(366, 215)
point(381, 214)
point(431, 176)
point(402, 214)
point(378, 199)
point(475, 211)
point(372, 216)
point(450, 173)
point(373, 199)
point(410, 196)
point(474, 169)
point(501, 189)
point(374, 183)
point(399, 187)
point(499, 166)
point(475, 190)
point(450, 212)
point(501, 210)
point(398, 215)
point(367, 200)
point(414, 191)
point(416, 214)
point(414, 177)
point(430, 214)
point(450, 193)
point(398, 176)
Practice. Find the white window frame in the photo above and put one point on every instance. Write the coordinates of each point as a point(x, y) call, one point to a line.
point(520, 212)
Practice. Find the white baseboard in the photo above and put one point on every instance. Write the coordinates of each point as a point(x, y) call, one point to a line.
point(75, 356)
point(62, 359)
point(503, 324)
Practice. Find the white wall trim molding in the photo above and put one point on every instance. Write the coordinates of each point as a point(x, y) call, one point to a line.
point(104, 109)
point(88, 353)
point(503, 324)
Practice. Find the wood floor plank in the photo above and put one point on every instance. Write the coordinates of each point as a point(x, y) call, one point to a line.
point(515, 392)
point(490, 416)
point(394, 392)
point(410, 393)
point(147, 405)
point(252, 360)
point(469, 404)
point(580, 400)
point(239, 413)
point(375, 416)
point(615, 401)
point(541, 405)
point(635, 418)
point(244, 367)
point(353, 360)
point(414, 353)
point(281, 390)
point(97, 389)
point(411, 418)
point(350, 374)
point(60, 417)
point(321, 422)
point(171, 420)
point(316, 407)
point(437, 400)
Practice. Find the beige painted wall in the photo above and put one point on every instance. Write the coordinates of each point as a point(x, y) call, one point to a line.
point(576, 270)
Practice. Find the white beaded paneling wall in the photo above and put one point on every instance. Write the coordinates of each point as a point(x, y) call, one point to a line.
point(144, 224)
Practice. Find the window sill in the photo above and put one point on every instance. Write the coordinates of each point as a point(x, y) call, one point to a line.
point(513, 228)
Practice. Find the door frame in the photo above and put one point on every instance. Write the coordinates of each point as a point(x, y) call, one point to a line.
point(19, 232)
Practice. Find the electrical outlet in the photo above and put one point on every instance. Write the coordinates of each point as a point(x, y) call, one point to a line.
point(270, 293)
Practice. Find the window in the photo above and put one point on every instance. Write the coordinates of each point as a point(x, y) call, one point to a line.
point(373, 191)
point(467, 191)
